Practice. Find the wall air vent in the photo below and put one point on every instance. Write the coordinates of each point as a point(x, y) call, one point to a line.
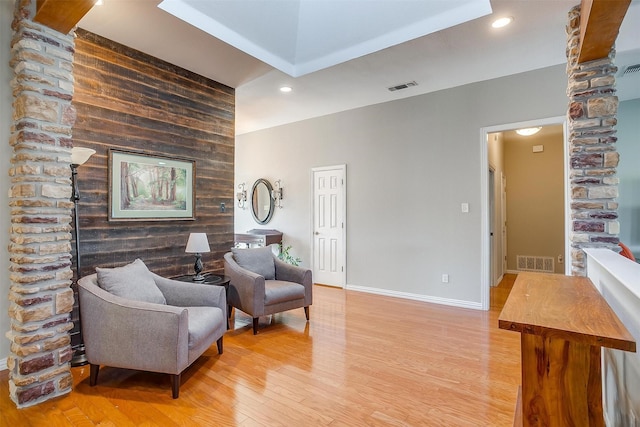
point(631, 69)
point(535, 263)
point(402, 86)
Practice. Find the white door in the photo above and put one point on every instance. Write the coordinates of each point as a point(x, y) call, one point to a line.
point(329, 232)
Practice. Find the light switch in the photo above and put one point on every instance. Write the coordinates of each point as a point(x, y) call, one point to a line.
point(464, 207)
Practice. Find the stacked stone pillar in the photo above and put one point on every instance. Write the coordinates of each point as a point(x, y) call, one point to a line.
point(593, 107)
point(40, 274)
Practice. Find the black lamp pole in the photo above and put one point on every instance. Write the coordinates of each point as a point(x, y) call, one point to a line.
point(79, 357)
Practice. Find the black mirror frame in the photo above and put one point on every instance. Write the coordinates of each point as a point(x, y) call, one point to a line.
point(253, 198)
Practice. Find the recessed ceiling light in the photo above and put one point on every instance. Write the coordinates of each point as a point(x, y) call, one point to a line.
point(528, 131)
point(286, 89)
point(502, 22)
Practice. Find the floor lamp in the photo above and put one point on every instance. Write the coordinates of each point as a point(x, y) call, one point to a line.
point(79, 156)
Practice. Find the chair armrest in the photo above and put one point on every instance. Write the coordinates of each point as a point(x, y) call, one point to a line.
point(184, 294)
point(246, 288)
point(293, 273)
point(132, 334)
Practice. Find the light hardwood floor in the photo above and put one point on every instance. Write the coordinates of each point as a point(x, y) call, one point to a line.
point(362, 360)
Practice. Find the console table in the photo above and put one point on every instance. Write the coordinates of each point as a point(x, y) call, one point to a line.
point(259, 237)
point(563, 322)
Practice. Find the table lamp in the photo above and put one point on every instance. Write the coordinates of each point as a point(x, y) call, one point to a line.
point(198, 244)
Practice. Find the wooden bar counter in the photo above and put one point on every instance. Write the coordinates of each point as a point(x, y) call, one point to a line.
point(564, 322)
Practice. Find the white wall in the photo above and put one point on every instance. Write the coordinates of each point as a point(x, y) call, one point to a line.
point(6, 99)
point(629, 173)
point(616, 278)
point(410, 164)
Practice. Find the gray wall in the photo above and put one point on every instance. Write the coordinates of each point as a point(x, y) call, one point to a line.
point(410, 164)
point(629, 173)
point(6, 15)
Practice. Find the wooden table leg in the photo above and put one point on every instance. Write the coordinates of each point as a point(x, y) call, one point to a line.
point(561, 383)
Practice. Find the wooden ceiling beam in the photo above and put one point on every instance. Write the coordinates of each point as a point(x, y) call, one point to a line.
point(600, 22)
point(61, 15)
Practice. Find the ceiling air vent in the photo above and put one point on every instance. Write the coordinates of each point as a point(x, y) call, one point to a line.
point(631, 69)
point(402, 86)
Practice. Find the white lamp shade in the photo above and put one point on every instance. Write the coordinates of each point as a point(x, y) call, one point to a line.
point(197, 243)
point(79, 155)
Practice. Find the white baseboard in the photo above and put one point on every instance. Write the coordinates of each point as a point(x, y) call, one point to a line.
point(416, 297)
point(498, 281)
point(3, 364)
point(513, 271)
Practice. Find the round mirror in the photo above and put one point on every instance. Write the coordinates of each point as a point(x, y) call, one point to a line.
point(261, 201)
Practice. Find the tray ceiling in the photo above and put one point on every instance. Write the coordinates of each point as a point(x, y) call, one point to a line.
point(299, 37)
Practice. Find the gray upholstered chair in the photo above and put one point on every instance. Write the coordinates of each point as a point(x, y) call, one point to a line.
point(261, 284)
point(135, 319)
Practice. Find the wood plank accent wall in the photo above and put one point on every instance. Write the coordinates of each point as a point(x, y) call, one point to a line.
point(128, 100)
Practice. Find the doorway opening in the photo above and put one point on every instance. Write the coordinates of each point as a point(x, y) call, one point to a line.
point(538, 201)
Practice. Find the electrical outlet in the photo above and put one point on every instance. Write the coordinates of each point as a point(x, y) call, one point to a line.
point(222, 207)
point(445, 278)
point(560, 259)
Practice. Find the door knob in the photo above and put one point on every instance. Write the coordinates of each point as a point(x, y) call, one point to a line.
point(316, 233)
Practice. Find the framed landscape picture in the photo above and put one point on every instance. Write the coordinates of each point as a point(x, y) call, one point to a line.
point(150, 188)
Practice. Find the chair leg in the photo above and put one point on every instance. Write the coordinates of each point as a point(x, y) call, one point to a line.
point(93, 374)
point(175, 385)
point(219, 345)
point(306, 312)
point(255, 325)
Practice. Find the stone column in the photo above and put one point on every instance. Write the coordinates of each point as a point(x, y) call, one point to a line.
point(593, 107)
point(40, 240)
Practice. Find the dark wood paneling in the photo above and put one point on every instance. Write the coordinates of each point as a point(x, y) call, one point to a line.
point(126, 99)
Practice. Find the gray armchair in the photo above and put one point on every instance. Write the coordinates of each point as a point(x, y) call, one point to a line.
point(261, 284)
point(150, 336)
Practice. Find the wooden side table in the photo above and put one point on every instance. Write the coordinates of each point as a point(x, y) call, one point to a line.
point(563, 322)
point(210, 279)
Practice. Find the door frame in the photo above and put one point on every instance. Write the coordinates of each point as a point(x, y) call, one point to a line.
point(485, 255)
point(343, 202)
point(492, 222)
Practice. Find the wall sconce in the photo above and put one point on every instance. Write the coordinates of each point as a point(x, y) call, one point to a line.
point(276, 194)
point(242, 196)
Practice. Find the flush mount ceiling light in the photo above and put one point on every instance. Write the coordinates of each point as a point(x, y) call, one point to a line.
point(286, 89)
point(502, 22)
point(528, 131)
